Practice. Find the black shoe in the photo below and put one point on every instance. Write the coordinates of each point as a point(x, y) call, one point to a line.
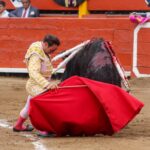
point(45, 134)
point(28, 128)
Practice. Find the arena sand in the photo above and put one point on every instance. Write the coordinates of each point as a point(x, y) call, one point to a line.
point(135, 136)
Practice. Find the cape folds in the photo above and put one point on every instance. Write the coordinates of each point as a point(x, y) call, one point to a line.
point(74, 109)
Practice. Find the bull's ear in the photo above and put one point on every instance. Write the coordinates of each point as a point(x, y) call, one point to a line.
point(69, 3)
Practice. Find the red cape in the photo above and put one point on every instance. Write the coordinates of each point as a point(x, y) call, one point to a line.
point(97, 108)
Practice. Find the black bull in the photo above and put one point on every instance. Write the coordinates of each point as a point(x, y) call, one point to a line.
point(93, 61)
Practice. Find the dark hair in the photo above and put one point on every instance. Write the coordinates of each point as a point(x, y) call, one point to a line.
point(27, 0)
point(2, 3)
point(51, 39)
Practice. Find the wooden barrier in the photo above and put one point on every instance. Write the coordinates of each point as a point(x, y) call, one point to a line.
point(17, 34)
point(117, 5)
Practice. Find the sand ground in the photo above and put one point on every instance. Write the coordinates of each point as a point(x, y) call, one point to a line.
point(135, 136)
